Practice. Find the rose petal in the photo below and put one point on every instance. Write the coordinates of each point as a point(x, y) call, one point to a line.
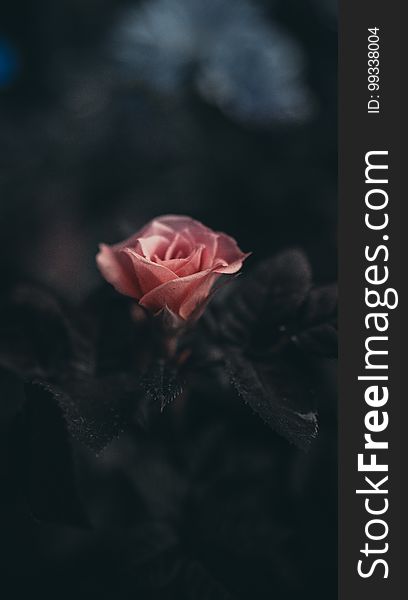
point(116, 273)
point(180, 247)
point(230, 269)
point(207, 238)
point(192, 264)
point(153, 244)
point(195, 232)
point(210, 251)
point(183, 267)
point(148, 274)
point(228, 248)
point(200, 296)
point(176, 223)
point(173, 265)
point(181, 295)
point(156, 227)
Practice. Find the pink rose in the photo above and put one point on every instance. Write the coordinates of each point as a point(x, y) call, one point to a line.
point(171, 263)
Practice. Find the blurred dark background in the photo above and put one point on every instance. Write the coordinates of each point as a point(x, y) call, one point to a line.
point(111, 113)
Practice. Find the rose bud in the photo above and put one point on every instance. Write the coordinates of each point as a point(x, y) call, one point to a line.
point(170, 265)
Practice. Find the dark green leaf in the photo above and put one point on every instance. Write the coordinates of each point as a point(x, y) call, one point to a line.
point(265, 300)
point(317, 329)
point(280, 393)
point(51, 483)
point(161, 384)
point(96, 409)
point(36, 338)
